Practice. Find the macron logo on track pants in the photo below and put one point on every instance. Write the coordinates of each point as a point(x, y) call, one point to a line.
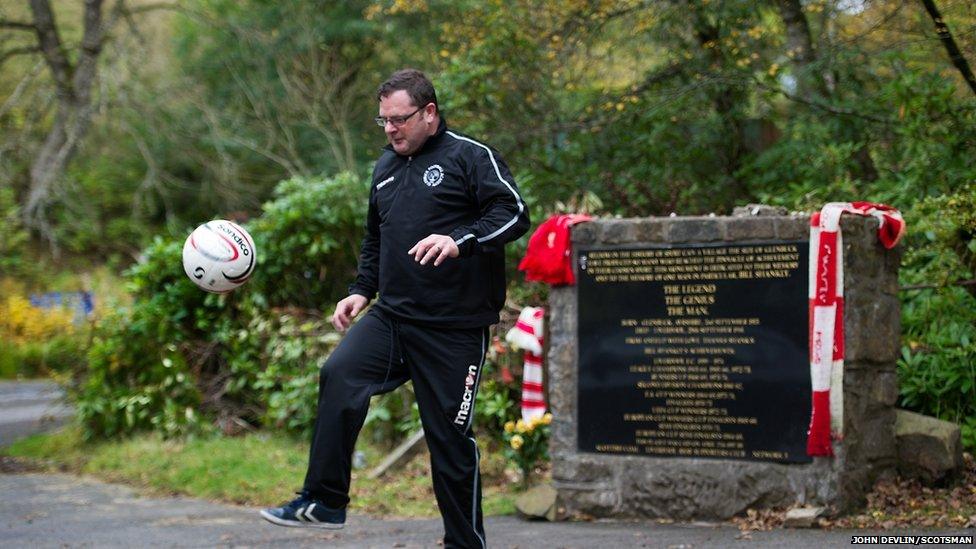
point(464, 411)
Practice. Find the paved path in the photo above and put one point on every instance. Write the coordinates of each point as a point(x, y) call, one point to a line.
point(28, 407)
point(55, 510)
point(67, 511)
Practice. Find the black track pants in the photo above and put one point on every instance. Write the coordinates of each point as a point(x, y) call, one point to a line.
point(378, 355)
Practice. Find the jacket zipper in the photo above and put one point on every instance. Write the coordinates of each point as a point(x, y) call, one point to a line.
point(400, 185)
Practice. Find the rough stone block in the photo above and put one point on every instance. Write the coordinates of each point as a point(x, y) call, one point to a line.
point(872, 326)
point(859, 232)
point(816, 483)
point(561, 446)
point(582, 468)
point(861, 407)
point(563, 352)
point(889, 278)
point(802, 517)
point(862, 250)
point(878, 440)
point(564, 431)
point(650, 231)
point(618, 231)
point(745, 229)
point(560, 298)
point(756, 210)
point(885, 389)
point(928, 448)
point(537, 503)
point(861, 276)
point(702, 489)
point(853, 484)
point(682, 230)
point(563, 397)
point(792, 228)
point(588, 502)
point(870, 450)
point(584, 233)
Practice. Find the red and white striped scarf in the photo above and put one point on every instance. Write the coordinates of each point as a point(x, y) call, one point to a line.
point(826, 293)
point(527, 334)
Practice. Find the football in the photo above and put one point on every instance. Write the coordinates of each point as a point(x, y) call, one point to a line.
point(219, 256)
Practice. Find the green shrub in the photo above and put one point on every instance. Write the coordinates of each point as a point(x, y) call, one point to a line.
point(937, 370)
point(59, 354)
point(179, 360)
point(135, 380)
point(9, 361)
point(291, 350)
point(308, 240)
point(14, 241)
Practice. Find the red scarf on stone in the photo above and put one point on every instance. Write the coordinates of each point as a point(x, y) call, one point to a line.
point(827, 307)
point(549, 255)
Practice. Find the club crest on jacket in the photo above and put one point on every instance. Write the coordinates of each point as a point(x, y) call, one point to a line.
point(434, 175)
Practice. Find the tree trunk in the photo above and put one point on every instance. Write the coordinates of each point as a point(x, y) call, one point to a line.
point(799, 48)
point(73, 117)
point(811, 84)
point(725, 99)
point(71, 122)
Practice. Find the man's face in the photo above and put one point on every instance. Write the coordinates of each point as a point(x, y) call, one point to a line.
point(408, 137)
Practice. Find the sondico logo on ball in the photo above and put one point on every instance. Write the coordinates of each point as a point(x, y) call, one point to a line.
point(465, 410)
point(236, 237)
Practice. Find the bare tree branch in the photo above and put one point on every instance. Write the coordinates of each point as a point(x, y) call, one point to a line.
point(122, 11)
point(15, 96)
point(18, 51)
point(950, 44)
point(144, 8)
point(271, 123)
point(151, 181)
point(130, 21)
point(885, 18)
point(91, 47)
point(660, 75)
point(937, 286)
point(17, 25)
point(821, 106)
point(50, 44)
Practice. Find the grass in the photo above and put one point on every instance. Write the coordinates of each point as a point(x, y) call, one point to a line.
point(257, 470)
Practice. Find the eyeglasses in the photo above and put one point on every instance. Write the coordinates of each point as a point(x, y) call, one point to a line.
point(397, 121)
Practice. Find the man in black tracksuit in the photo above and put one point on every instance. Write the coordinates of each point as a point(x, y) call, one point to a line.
point(441, 208)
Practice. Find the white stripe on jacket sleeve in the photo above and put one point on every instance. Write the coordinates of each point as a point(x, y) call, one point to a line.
point(518, 199)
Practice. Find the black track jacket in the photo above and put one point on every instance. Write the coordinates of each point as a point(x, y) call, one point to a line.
point(453, 186)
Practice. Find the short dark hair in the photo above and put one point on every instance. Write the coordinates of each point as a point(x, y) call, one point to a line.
point(415, 83)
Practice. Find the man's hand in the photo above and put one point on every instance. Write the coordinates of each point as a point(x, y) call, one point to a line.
point(347, 309)
point(437, 247)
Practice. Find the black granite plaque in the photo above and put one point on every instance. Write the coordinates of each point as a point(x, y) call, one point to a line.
point(695, 351)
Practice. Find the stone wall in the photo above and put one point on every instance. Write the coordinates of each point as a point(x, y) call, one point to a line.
point(603, 485)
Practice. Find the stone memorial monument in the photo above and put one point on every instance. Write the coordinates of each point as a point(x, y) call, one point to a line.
point(679, 371)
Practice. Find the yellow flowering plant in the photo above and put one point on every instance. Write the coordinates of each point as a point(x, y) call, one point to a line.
point(34, 341)
point(527, 444)
point(20, 322)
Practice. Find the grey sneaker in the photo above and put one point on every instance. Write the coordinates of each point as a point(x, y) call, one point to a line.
point(306, 512)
